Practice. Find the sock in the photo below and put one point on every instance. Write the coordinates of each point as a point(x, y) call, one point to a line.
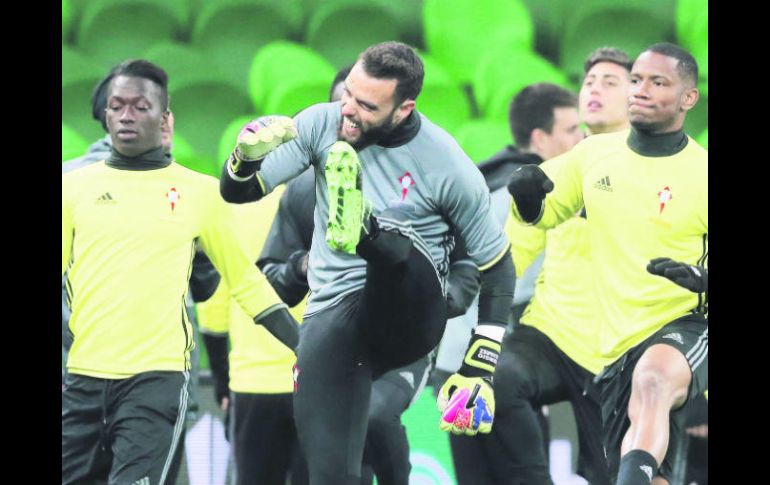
point(637, 467)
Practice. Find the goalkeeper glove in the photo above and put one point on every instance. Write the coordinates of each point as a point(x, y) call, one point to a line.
point(466, 400)
point(528, 186)
point(256, 140)
point(693, 278)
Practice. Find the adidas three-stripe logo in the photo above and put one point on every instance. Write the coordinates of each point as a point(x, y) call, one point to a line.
point(105, 198)
point(603, 184)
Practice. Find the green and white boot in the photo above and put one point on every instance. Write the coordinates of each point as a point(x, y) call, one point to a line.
point(348, 210)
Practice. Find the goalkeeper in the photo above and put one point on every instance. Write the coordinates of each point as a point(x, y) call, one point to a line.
point(377, 298)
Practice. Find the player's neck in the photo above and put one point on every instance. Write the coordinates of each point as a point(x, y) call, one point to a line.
point(656, 145)
point(149, 160)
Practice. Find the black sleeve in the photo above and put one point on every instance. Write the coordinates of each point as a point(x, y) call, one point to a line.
point(240, 192)
point(463, 282)
point(216, 348)
point(496, 297)
point(287, 278)
point(204, 278)
point(289, 239)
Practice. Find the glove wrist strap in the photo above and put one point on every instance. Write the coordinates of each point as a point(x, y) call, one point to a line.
point(481, 358)
point(240, 167)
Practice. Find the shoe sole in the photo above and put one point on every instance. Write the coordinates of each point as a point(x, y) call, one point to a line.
point(346, 199)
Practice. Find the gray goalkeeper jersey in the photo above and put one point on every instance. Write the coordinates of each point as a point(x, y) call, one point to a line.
point(428, 172)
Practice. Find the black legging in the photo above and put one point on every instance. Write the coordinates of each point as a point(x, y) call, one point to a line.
point(397, 318)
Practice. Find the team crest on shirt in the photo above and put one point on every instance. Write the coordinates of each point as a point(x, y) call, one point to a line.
point(406, 181)
point(173, 196)
point(664, 196)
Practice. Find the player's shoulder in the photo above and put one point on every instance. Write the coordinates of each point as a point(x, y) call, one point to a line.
point(321, 113)
point(78, 171)
point(433, 145)
point(605, 141)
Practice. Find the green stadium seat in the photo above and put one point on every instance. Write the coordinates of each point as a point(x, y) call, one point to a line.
point(500, 75)
point(72, 144)
point(181, 62)
point(229, 136)
point(687, 11)
point(185, 155)
point(697, 42)
point(203, 107)
point(114, 30)
point(286, 77)
point(340, 30)
point(548, 18)
point(66, 19)
point(78, 77)
point(230, 32)
point(457, 32)
point(442, 99)
point(483, 138)
point(609, 23)
point(703, 139)
point(409, 16)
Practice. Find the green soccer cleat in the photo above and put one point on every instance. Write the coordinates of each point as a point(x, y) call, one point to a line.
point(347, 208)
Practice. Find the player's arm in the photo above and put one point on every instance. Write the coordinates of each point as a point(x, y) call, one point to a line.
point(466, 399)
point(226, 248)
point(67, 228)
point(463, 282)
point(550, 193)
point(288, 276)
point(204, 278)
point(527, 243)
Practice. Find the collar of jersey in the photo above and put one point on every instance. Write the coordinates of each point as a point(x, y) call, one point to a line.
point(403, 133)
point(151, 160)
point(658, 145)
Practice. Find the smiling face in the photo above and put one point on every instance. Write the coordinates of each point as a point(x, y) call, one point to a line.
point(659, 98)
point(134, 115)
point(604, 98)
point(369, 110)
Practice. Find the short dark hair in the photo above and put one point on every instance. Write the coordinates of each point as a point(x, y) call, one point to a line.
point(341, 75)
point(395, 60)
point(533, 108)
point(687, 66)
point(99, 98)
point(145, 70)
point(608, 54)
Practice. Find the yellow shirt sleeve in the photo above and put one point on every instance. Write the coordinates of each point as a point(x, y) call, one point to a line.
point(227, 249)
point(214, 313)
point(66, 232)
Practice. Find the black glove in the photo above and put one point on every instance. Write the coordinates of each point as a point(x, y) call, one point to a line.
point(693, 278)
point(528, 186)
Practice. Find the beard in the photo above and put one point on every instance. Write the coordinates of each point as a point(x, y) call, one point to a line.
point(372, 135)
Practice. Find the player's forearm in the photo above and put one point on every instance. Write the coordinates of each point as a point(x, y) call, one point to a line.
point(287, 280)
point(496, 293)
point(242, 185)
point(462, 287)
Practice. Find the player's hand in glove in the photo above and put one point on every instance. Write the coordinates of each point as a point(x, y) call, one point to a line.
point(257, 139)
point(467, 400)
point(693, 278)
point(528, 186)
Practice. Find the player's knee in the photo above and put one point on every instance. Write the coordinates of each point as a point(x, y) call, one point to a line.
point(513, 385)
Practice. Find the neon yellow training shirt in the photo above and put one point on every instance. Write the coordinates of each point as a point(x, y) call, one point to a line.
point(639, 208)
point(128, 239)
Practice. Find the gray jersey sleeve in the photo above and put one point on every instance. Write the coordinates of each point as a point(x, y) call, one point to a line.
point(292, 158)
point(465, 198)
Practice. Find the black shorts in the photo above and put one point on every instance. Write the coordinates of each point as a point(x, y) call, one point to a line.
point(689, 335)
point(533, 369)
point(122, 430)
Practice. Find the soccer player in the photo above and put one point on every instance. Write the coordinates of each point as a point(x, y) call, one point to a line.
point(645, 192)
point(544, 122)
point(129, 230)
point(377, 298)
